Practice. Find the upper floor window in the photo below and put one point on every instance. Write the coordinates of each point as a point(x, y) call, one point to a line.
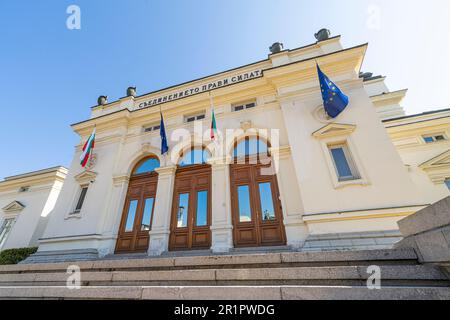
point(195, 117)
point(447, 183)
point(146, 166)
point(434, 138)
point(244, 106)
point(81, 198)
point(5, 230)
point(152, 128)
point(250, 146)
point(343, 162)
point(24, 189)
point(194, 156)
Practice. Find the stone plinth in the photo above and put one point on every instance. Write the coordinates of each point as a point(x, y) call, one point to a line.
point(428, 233)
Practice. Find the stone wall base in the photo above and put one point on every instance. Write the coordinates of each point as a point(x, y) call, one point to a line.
point(62, 256)
point(352, 241)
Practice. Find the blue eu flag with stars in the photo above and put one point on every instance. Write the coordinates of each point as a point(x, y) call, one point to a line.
point(334, 101)
point(162, 133)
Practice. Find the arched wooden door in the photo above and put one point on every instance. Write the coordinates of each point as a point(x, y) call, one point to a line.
point(191, 210)
point(137, 214)
point(256, 206)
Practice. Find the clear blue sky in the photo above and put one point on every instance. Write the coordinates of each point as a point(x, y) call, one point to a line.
point(50, 76)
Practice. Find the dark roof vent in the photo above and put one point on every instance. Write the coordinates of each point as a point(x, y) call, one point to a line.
point(102, 100)
point(322, 34)
point(276, 47)
point(131, 92)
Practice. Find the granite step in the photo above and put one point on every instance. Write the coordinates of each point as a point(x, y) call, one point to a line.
point(230, 261)
point(243, 293)
point(391, 275)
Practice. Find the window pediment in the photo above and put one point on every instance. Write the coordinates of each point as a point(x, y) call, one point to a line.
point(441, 160)
point(13, 207)
point(438, 168)
point(334, 130)
point(86, 177)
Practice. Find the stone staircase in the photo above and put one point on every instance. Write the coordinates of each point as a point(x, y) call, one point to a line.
point(237, 276)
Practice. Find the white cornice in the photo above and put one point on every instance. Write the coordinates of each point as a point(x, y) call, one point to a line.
point(42, 177)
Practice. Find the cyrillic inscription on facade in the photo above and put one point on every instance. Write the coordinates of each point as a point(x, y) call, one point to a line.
point(199, 89)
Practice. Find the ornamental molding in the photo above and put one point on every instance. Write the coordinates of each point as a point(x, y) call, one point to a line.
point(438, 168)
point(92, 161)
point(120, 179)
point(86, 177)
point(334, 130)
point(283, 152)
point(13, 207)
point(170, 170)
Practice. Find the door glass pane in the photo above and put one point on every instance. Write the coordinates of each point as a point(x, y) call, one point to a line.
point(245, 213)
point(265, 196)
point(202, 209)
point(131, 215)
point(147, 215)
point(183, 208)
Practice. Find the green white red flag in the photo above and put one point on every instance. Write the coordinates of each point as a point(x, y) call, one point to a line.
point(213, 120)
point(213, 126)
point(87, 149)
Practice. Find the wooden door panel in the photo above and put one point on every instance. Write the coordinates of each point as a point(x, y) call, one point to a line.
point(270, 234)
point(260, 231)
point(240, 174)
point(201, 239)
point(137, 240)
point(246, 237)
point(184, 183)
point(191, 181)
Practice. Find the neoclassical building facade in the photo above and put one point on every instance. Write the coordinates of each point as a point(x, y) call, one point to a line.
point(278, 173)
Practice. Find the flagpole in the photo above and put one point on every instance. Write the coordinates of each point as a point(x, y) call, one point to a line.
point(211, 101)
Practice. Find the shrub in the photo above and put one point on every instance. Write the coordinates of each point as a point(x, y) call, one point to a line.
point(14, 256)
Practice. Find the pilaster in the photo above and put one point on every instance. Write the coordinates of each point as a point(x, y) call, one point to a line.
point(296, 229)
point(159, 235)
point(221, 227)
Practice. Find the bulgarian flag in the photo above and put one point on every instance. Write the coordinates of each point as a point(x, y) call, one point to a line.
point(87, 149)
point(213, 126)
point(213, 120)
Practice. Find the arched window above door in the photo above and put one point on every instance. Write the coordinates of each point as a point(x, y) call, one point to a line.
point(250, 146)
point(147, 165)
point(194, 156)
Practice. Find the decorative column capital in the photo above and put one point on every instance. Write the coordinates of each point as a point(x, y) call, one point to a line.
point(219, 161)
point(166, 171)
point(280, 152)
point(120, 179)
